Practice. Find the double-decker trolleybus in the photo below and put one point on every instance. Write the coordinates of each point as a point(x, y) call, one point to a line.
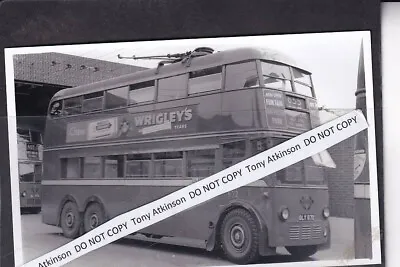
point(29, 168)
point(115, 145)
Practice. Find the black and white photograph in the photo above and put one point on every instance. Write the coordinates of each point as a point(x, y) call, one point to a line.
point(97, 130)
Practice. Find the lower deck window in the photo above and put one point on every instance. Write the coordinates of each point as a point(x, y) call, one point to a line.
point(92, 167)
point(138, 165)
point(201, 163)
point(114, 166)
point(70, 168)
point(169, 164)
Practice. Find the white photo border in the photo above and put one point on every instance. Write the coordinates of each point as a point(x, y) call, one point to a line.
point(13, 149)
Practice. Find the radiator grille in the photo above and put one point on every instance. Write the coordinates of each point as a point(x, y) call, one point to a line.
point(305, 232)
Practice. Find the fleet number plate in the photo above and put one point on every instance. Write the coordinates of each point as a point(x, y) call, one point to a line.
point(306, 217)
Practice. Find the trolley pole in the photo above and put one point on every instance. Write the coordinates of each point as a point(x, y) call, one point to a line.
point(362, 206)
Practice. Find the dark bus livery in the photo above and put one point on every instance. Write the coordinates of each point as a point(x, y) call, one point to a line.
point(117, 144)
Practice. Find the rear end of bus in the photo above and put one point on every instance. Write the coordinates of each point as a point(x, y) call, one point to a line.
point(30, 175)
point(299, 196)
point(30, 185)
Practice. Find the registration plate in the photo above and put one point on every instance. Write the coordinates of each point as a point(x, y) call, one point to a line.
point(306, 217)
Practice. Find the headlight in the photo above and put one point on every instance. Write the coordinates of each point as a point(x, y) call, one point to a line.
point(326, 232)
point(23, 194)
point(284, 214)
point(325, 213)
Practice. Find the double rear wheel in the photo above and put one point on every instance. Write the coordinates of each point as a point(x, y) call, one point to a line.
point(93, 217)
point(73, 223)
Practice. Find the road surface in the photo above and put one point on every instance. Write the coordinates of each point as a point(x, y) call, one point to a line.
point(39, 238)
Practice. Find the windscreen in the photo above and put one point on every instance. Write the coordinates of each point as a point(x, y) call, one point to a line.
point(285, 78)
point(30, 172)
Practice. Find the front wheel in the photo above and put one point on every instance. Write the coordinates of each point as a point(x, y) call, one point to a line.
point(94, 216)
point(70, 220)
point(302, 252)
point(240, 237)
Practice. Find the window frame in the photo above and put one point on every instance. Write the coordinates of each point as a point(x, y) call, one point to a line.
point(290, 79)
point(221, 72)
point(64, 166)
point(104, 158)
point(138, 177)
point(169, 177)
point(310, 86)
point(80, 106)
point(185, 90)
point(154, 87)
point(84, 99)
point(83, 162)
point(215, 165)
point(257, 74)
point(127, 87)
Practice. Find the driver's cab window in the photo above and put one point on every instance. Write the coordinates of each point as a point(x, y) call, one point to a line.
point(291, 175)
point(233, 153)
point(26, 172)
point(56, 109)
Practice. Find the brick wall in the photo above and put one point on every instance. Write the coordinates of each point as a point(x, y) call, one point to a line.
point(340, 180)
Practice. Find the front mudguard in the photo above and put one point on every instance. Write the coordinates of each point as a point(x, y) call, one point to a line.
point(212, 243)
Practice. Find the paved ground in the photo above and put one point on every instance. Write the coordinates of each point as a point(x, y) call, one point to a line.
point(39, 239)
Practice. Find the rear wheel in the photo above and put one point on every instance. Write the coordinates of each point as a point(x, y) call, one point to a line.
point(302, 252)
point(239, 237)
point(94, 216)
point(70, 220)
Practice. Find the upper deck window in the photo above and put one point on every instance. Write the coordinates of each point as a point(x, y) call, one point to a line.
point(241, 75)
point(93, 102)
point(302, 82)
point(205, 80)
point(73, 105)
point(116, 98)
point(276, 76)
point(142, 92)
point(172, 87)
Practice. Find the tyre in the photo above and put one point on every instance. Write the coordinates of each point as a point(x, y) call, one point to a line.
point(70, 220)
point(302, 252)
point(239, 237)
point(93, 217)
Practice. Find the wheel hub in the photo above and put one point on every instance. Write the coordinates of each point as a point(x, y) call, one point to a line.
point(69, 219)
point(94, 221)
point(237, 236)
